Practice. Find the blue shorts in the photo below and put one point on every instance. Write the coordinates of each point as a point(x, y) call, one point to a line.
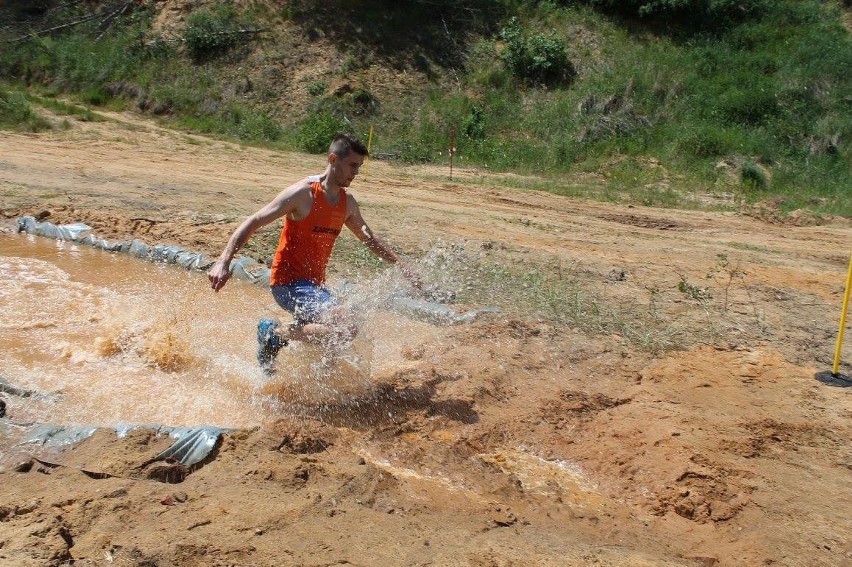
point(304, 299)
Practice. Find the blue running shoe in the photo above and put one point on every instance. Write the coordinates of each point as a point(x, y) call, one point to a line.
point(268, 344)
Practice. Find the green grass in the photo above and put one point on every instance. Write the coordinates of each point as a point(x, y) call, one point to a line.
point(17, 114)
point(83, 113)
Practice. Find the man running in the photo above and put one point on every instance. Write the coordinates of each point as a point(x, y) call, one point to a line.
point(314, 210)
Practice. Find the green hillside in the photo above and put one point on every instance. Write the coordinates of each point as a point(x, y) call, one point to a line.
point(681, 103)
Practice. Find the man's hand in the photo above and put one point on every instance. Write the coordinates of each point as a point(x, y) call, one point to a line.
point(218, 275)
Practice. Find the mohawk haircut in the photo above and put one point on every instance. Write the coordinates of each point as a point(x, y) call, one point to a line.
point(344, 144)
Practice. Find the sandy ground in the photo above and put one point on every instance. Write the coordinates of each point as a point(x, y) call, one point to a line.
point(510, 441)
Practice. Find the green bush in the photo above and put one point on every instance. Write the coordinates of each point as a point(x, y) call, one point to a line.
point(692, 13)
point(748, 106)
point(95, 96)
point(539, 58)
point(316, 88)
point(706, 142)
point(250, 125)
point(14, 108)
point(474, 124)
point(754, 176)
point(362, 102)
point(317, 130)
point(210, 34)
point(16, 113)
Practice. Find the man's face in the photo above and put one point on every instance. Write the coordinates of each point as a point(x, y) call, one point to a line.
point(346, 168)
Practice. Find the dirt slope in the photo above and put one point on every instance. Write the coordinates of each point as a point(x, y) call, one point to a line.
point(508, 442)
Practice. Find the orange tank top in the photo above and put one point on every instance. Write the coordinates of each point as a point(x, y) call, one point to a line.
point(305, 245)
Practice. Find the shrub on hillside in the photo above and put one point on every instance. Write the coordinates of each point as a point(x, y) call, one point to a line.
point(473, 125)
point(210, 34)
point(15, 112)
point(316, 88)
point(754, 176)
point(693, 13)
point(317, 130)
point(538, 58)
point(706, 142)
point(748, 107)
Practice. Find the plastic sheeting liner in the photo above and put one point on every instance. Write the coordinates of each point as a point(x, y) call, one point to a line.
point(192, 445)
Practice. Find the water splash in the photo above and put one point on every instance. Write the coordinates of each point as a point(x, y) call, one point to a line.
point(131, 341)
point(116, 340)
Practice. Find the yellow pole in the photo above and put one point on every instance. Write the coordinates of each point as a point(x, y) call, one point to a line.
point(369, 145)
point(837, 348)
point(452, 150)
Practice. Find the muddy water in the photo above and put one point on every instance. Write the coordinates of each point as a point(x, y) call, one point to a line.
point(104, 339)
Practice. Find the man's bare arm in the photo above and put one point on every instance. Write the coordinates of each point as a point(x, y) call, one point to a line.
point(288, 201)
point(355, 222)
